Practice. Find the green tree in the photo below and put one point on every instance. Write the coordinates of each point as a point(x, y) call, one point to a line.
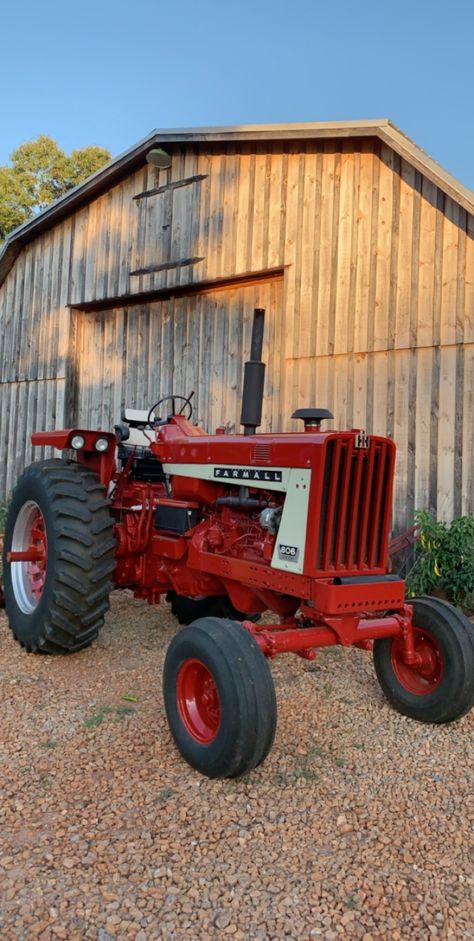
point(41, 172)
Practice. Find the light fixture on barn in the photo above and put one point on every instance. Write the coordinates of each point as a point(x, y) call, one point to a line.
point(158, 158)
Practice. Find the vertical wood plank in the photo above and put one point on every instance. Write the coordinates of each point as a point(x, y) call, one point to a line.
point(229, 214)
point(78, 266)
point(449, 283)
point(257, 231)
point(292, 297)
point(447, 431)
point(468, 312)
point(404, 273)
point(402, 405)
point(306, 332)
point(344, 253)
point(424, 369)
point(427, 274)
point(467, 463)
point(384, 249)
point(364, 226)
point(242, 258)
point(379, 372)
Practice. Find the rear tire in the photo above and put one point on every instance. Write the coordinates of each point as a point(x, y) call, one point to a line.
point(442, 689)
point(219, 698)
point(59, 512)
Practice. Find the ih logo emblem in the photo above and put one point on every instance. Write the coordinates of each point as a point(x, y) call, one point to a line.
point(288, 553)
point(362, 440)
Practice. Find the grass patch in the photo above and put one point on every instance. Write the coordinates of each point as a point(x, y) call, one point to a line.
point(166, 793)
point(97, 718)
point(118, 712)
point(351, 901)
point(233, 784)
point(123, 712)
point(306, 774)
point(304, 769)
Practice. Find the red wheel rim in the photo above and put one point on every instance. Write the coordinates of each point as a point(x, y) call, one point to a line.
point(37, 569)
point(28, 557)
point(423, 679)
point(198, 701)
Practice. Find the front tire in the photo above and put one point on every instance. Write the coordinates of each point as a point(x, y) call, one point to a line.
point(60, 518)
point(441, 689)
point(219, 698)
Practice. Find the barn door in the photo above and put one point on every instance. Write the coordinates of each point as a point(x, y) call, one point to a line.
point(134, 356)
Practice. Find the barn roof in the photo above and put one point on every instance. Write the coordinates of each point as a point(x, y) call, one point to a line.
point(113, 172)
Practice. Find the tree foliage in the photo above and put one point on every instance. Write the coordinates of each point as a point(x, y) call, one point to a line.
point(41, 172)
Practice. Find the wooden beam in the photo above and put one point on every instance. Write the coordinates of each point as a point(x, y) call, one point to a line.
point(176, 184)
point(182, 290)
point(166, 266)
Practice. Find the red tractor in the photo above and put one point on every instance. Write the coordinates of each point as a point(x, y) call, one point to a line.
point(228, 526)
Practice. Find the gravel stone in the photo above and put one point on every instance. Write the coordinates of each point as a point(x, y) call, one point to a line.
point(359, 825)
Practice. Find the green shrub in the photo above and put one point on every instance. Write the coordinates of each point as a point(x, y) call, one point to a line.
point(3, 514)
point(444, 559)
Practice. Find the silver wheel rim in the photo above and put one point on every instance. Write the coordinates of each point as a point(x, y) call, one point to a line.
point(26, 598)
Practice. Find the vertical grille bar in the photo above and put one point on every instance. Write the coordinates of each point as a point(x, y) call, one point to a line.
point(342, 517)
point(332, 479)
point(358, 459)
point(361, 555)
point(376, 506)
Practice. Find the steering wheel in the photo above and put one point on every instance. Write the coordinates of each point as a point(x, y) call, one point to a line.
point(173, 398)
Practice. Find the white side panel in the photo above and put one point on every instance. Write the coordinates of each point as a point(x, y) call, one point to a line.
point(291, 537)
point(294, 481)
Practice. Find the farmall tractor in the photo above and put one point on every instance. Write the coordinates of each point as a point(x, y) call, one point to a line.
point(229, 526)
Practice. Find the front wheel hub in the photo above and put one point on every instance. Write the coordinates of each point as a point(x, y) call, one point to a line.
point(198, 701)
point(425, 674)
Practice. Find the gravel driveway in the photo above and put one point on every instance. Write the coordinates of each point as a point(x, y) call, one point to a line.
point(360, 824)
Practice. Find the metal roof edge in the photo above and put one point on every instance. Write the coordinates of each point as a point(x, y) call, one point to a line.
point(406, 148)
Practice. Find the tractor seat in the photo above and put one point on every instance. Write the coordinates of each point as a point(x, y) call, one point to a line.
point(133, 430)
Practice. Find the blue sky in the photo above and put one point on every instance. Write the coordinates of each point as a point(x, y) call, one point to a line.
point(109, 72)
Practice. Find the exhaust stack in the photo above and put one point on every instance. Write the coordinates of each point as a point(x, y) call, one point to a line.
point(254, 377)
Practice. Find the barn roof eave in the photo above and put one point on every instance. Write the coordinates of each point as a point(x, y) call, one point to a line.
point(116, 169)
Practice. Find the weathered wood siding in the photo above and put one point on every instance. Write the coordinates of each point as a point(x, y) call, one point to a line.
point(34, 349)
point(374, 319)
point(134, 356)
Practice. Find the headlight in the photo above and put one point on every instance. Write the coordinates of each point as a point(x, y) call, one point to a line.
point(77, 442)
point(101, 444)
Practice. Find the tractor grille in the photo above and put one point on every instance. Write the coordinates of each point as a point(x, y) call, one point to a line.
point(355, 506)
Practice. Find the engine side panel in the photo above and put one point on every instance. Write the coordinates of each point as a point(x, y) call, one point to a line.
point(288, 555)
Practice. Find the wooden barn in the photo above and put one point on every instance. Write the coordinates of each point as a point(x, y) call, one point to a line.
point(142, 281)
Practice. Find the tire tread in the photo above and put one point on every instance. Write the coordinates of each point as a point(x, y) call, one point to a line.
point(455, 695)
point(78, 590)
point(235, 659)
